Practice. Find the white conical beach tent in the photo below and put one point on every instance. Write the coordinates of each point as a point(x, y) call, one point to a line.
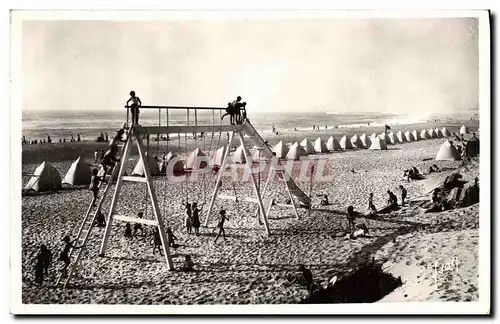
point(320, 146)
point(409, 136)
point(296, 151)
point(332, 144)
point(416, 135)
point(45, 178)
point(365, 140)
point(356, 142)
point(257, 155)
point(154, 168)
point(445, 132)
point(373, 136)
point(239, 155)
point(431, 133)
point(463, 130)
point(78, 173)
point(447, 152)
point(219, 154)
point(438, 132)
point(196, 160)
point(307, 146)
point(385, 137)
point(100, 173)
point(393, 139)
point(378, 144)
point(400, 137)
point(345, 143)
point(281, 150)
point(424, 134)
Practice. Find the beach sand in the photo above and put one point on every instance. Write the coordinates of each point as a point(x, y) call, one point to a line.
point(251, 267)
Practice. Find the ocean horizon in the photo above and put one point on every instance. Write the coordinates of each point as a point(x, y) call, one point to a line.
point(89, 124)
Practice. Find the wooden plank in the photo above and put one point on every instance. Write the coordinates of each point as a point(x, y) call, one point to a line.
point(135, 220)
point(187, 129)
point(134, 179)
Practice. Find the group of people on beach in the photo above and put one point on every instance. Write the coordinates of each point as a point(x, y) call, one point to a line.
point(24, 141)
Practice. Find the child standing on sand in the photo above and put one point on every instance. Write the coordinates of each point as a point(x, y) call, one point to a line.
point(43, 260)
point(128, 230)
point(134, 107)
point(94, 185)
point(156, 241)
point(220, 225)
point(138, 226)
point(170, 237)
point(371, 206)
point(350, 218)
point(196, 219)
point(404, 192)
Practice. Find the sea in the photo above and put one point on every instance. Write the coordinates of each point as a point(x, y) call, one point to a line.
point(90, 124)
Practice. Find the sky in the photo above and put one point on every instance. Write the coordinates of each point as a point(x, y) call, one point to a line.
point(403, 66)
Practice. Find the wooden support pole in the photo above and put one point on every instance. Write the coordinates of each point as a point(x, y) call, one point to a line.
point(248, 159)
point(119, 182)
point(127, 115)
point(156, 209)
point(222, 169)
point(159, 125)
point(263, 192)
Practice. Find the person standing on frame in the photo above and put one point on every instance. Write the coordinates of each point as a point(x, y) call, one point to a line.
point(134, 107)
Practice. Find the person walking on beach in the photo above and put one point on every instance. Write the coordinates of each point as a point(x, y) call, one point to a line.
point(134, 107)
point(64, 257)
point(156, 241)
point(371, 206)
point(404, 193)
point(43, 260)
point(94, 185)
point(171, 237)
point(128, 231)
point(96, 155)
point(78, 138)
point(105, 137)
point(350, 218)
point(196, 219)
point(138, 226)
point(220, 225)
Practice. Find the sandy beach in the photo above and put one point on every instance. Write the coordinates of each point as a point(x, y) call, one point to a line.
point(251, 267)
